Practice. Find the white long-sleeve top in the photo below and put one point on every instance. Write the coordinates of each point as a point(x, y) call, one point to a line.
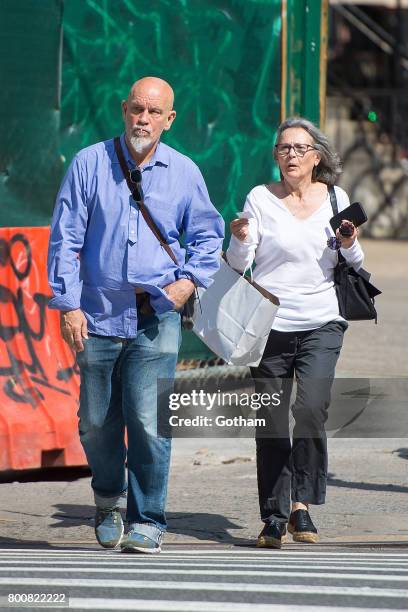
point(292, 258)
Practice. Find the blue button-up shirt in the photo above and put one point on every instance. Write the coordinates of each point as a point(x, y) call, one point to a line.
point(101, 248)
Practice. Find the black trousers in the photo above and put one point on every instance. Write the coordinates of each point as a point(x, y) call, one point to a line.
point(298, 470)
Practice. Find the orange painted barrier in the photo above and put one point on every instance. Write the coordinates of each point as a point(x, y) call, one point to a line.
point(39, 380)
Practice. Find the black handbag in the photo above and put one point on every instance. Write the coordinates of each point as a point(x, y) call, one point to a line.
point(355, 293)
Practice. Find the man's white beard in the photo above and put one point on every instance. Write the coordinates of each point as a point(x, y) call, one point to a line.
point(140, 143)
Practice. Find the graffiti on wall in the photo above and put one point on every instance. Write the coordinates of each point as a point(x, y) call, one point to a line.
point(31, 364)
point(39, 381)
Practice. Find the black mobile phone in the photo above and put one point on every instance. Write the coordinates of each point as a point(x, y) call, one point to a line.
point(354, 213)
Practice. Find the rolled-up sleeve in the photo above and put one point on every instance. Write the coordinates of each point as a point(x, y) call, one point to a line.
point(203, 233)
point(68, 227)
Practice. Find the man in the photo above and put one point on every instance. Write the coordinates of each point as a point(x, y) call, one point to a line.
point(111, 277)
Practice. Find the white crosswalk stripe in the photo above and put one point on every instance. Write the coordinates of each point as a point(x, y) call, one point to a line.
point(197, 580)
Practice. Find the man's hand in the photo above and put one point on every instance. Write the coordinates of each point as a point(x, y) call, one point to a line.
point(179, 292)
point(74, 328)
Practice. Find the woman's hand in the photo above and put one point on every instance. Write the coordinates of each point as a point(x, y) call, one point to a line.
point(240, 228)
point(349, 240)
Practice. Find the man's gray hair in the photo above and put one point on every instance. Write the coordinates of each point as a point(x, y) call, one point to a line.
point(329, 167)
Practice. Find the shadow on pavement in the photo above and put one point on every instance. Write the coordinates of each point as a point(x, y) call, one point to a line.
point(365, 486)
point(402, 453)
point(202, 525)
point(55, 474)
point(205, 526)
point(14, 543)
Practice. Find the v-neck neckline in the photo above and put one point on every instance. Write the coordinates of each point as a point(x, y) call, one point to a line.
point(284, 207)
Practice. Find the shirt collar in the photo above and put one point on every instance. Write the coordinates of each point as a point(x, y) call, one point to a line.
point(160, 156)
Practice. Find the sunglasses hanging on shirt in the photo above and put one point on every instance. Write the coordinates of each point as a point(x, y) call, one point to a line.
point(136, 180)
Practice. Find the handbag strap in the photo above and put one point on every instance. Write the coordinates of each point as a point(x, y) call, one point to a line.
point(333, 200)
point(335, 209)
point(142, 206)
point(361, 272)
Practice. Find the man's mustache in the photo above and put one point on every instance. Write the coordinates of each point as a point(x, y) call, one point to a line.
point(140, 129)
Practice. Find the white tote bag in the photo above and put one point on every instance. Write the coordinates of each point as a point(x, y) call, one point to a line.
point(235, 317)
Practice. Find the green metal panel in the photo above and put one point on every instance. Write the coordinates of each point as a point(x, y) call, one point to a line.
point(222, 58)
point(30, 62)
point(304, 77)
point(223, 62)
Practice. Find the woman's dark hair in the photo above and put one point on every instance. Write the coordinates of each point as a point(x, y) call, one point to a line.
point(329, 167)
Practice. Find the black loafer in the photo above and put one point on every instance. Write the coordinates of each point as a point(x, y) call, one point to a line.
point(301, 527)
point(273, 535)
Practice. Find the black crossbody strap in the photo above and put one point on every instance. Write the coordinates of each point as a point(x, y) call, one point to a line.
point(335, 209)
point(333, 200)
point(142, 206)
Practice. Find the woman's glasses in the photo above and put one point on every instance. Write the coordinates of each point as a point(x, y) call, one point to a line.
point(300, 150)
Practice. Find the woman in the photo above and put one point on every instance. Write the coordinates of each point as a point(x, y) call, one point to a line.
point(285, 230)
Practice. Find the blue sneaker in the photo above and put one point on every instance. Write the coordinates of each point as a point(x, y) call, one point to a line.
point(108, 527)
point(140, 543)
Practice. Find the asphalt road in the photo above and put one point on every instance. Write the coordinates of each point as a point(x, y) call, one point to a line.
point(361, 563)
point(211, 579)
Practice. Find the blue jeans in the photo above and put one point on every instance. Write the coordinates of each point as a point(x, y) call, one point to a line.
point(118, 390)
